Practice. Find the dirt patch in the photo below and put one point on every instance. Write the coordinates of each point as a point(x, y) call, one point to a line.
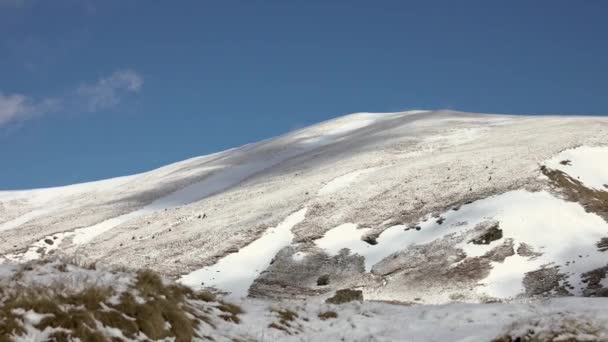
point(500, 253)
point(471, 268)
point(593, 280)
point(319, 273)
point(594, 201)
point(526, 250)
point(544, 281)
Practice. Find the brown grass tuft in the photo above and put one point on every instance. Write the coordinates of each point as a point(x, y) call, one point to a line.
point(325, 315)
point(150, 306)
point(231, 312)
point(345, 296)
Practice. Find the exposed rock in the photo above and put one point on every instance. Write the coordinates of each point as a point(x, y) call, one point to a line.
point(500, 253)
point(526, 250)
point(491, 232)
point(602, 245)
point(593, 280)
point(544, 281)
point(323, 280)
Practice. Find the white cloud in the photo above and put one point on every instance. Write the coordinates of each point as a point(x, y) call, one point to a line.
point(12, 107)
point(15, 107)
point(108, 91)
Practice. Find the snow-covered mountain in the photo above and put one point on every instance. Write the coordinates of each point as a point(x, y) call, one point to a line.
point(419, 207)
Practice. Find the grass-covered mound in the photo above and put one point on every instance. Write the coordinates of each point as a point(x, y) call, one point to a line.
point(59, 301)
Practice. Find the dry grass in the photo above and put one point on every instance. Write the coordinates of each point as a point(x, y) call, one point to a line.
point(325, 315)
point(286, 321)
point(157, 309)
point(230, 312)
point(556, 328)
point(345, 296)
point(286, 315)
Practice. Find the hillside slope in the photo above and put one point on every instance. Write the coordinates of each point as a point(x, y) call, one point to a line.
point(414, 207)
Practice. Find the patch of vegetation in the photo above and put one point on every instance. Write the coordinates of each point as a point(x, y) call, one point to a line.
point(286, 321)
point(325, 315)
point(557, 328)
point(345, 296)
point(148, 306)
point(286, 315)
point(230, 311)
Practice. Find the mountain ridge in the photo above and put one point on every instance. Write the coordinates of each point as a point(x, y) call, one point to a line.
point(372, 171)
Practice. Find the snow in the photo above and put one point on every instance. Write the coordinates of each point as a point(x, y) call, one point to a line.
point(561, 230)
point(587, 164)
point(392, 240)
point(34, 318)
point(299, 256)
point(44, 195)
point(343, 181)
point(23, 219)
point(428, 160)
point(505, 279)
point(345, 236)
point(225, 177)
point(373, 321)
point(236, 272)
point(570, 318)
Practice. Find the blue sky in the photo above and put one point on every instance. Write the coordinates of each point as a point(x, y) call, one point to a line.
point(95, 89)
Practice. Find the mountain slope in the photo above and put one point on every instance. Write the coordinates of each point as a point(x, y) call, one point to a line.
point(453, 206)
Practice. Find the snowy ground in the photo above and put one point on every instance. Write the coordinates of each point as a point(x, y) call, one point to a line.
point(418, 186)
point(563, 319)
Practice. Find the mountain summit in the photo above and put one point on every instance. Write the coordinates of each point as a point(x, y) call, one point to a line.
point(417, 207)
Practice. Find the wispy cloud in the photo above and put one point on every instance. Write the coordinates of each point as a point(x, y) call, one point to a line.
point(13, 106)
point(18, 107)
point(105, 93)
point(108, 91)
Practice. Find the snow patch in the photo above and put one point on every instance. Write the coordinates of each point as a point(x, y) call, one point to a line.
point(236, 272)
point(562, 230)
point(585, 163)
point(299, 256)
point(343, 181)
point(25, 218)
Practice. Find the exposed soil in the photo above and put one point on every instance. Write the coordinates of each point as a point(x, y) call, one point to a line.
point(594, 201)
